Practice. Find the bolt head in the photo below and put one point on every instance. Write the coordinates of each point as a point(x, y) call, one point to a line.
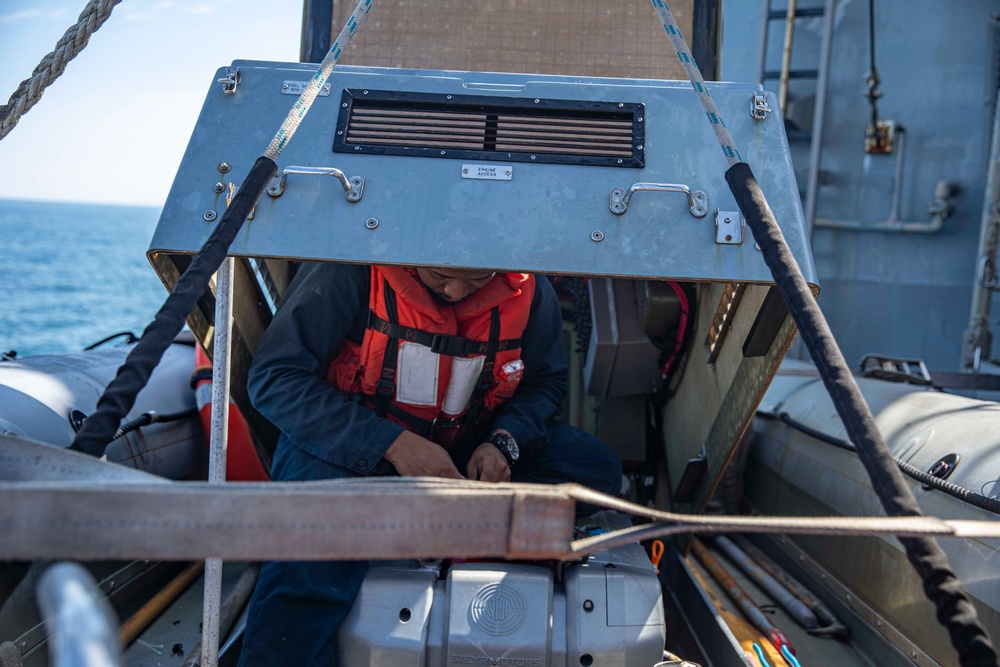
point(371, 223)
point(224, 167)
point(597, 235)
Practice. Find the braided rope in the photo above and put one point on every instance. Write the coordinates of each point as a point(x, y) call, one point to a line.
point(697, 82)
point(301, 106)
point(52, 65)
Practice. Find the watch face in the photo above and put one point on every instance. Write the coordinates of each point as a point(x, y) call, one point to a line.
point(507, 446)
point(513, 449)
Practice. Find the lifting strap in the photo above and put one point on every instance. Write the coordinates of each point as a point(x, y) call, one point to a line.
point(80, 508)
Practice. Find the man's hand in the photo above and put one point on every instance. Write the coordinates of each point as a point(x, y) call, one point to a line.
point(413, 456)
point(488, 464)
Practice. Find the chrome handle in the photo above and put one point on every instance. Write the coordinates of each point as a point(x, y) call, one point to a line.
point(697, 200)
point(355, 187)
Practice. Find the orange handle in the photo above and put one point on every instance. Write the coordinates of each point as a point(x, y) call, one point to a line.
point(657, 554)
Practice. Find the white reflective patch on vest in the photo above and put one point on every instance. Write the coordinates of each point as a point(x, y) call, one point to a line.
point(417, 374)
point(464, 375)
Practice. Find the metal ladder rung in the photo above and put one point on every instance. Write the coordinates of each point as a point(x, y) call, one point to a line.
point(793, 74)
point(807, 12)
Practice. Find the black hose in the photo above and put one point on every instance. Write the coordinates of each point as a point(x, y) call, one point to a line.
point(147, 418)
point(922, 476)
point(119, 396)
point(941, 585)
point(127, 335)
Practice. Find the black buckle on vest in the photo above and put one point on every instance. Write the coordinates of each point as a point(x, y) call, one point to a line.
point(485, 382)
point(448, 423)
point(384, 388)
point(453, 346)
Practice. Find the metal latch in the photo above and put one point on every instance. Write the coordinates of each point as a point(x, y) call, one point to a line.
point(729, 227)
point(354, 188)
point(758, 106)
point(231, 81)
point(697, 200)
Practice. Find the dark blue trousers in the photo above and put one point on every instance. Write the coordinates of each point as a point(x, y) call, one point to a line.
point(297, 607)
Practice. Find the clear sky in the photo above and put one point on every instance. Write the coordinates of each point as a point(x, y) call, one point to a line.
point(114, 126)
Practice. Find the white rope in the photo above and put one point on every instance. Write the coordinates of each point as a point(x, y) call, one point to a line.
point(301, 106)
point(697, 82)
point(51, 66)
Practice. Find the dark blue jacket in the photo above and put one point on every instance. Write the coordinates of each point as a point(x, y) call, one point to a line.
point(328, 303)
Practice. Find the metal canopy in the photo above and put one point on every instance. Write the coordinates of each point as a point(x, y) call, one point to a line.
point(534, 215)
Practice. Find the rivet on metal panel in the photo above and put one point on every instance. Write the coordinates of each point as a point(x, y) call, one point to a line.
point(344, 105)
point(639, 119)
point(597, 235)
point(465, 170)
point(371, 223)
point(210, 215)
point(639, 147)
point(443, 152)
point(224, 167)
point(218, 188)
point(588, 605)
point(621, 105)
point(537, 101)
point(534, 157)
point(449, 97)
point(365, 92)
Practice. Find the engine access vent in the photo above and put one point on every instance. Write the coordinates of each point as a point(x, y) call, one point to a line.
point(607, 134)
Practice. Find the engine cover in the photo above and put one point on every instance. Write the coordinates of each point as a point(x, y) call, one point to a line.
point(606, 610)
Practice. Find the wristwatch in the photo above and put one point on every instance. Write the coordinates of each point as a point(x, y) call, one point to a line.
point(507, 446)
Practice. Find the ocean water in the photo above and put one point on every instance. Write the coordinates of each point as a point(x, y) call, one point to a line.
point(71, 274)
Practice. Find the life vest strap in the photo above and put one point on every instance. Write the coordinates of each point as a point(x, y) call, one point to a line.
point(422, 427)
point(452, 346)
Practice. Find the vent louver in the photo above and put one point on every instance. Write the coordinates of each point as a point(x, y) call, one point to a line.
point(491, 128)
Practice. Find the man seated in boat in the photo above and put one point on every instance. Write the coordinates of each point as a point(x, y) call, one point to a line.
point(410, 371)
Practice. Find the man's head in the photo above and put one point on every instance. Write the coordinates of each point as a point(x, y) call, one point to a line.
point(453, 285)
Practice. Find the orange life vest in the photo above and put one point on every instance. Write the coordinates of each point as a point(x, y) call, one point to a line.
point(436, 369)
